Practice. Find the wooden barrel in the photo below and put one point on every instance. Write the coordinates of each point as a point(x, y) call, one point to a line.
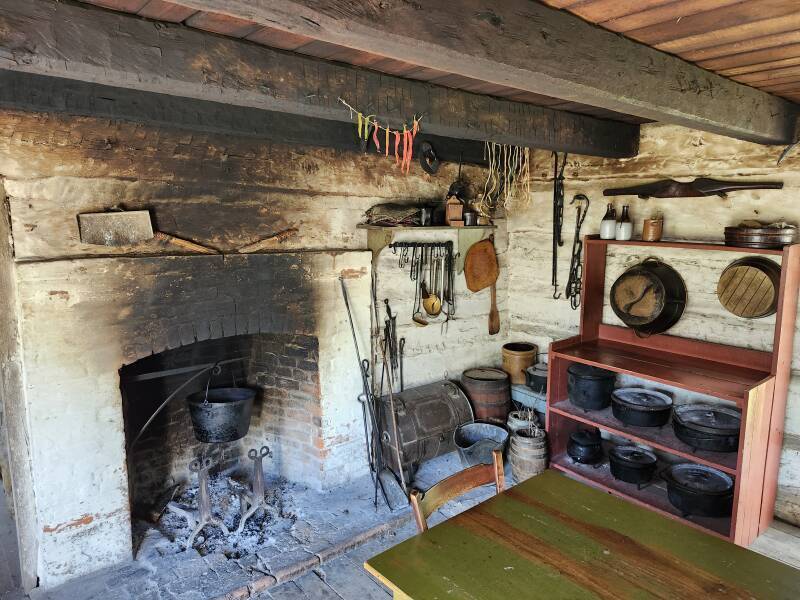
point(527, 453)
point(748, 287)
point(489, 393)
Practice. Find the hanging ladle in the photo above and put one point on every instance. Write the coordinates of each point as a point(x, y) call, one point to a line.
point(421, 292)
point(433, 302)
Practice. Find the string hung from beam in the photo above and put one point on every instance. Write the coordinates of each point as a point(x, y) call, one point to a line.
point(403, 141)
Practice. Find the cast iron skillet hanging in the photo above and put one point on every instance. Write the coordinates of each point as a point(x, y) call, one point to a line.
point(649, 297)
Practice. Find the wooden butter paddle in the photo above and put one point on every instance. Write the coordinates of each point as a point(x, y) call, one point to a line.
point(480, 272)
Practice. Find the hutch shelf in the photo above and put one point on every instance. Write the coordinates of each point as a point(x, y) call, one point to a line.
point(756, 381)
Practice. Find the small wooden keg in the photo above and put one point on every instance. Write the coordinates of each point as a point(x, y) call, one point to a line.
point(748, 287)
point(489, 391)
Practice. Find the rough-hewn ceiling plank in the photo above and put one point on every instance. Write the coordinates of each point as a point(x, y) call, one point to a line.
point(58, 39)
point(534, 48)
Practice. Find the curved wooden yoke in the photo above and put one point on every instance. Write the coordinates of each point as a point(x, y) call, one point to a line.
point(426, 503)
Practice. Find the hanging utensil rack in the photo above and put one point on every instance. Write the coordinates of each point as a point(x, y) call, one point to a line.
point(379, 237)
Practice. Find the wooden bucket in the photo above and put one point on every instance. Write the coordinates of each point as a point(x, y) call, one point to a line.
point(489, 393)
point(527, 453)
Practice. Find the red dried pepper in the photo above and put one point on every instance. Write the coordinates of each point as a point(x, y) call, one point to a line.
point(407, 155)
point(387, 141)
point(396, 147)
point(375, 137)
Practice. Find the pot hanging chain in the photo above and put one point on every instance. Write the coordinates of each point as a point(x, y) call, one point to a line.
point(558, 217)
point(574, 282)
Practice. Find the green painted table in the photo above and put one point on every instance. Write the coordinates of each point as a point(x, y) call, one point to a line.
point(552, 537)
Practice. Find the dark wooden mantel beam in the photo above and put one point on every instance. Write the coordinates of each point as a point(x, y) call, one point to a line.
point(78, 42)
point(531, 47)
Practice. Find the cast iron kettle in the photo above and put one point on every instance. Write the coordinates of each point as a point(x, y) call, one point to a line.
point(585, 446)
point(649, 297)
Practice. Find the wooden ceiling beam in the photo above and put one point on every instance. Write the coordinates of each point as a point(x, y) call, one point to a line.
point(45, 94)
point(79, 42)
point(533, 48)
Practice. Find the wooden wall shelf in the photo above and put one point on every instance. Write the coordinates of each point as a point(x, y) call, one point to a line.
point(756, 381)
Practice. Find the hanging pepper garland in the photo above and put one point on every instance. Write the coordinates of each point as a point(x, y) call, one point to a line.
point(402, 156)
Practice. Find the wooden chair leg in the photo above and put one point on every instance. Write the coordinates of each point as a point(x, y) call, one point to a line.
point(499, 472)
point(415, 498)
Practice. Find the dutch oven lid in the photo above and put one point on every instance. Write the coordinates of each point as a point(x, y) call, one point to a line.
point(642, 399)
point(709, 418)
point(485, 374)
point(585, 437)
point(589, 372)
point(700, 479)
point(538, 369)
point(633, 454)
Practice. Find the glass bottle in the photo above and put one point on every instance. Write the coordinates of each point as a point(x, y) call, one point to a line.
point(624, 226)
point(608, 226)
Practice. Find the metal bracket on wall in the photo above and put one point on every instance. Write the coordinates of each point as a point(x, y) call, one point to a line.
point(379, 237)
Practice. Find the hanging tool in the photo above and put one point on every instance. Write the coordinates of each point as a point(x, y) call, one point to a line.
point(395, 429)
point(432, 268)
point(574, 283)
point(390, 335)
point(558, 216)
point(401, 346)
point(368, 408)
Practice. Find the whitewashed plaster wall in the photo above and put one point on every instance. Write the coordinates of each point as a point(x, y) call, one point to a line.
point(443, 350)
point(216, 190)
point(665, 152)
point(15, 454)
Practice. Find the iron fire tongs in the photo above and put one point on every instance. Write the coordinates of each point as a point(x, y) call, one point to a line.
point(558, 216)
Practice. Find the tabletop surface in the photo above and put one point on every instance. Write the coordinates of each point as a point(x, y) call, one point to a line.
point(552, 537)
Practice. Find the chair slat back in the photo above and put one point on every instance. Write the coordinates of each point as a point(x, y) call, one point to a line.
point(425, 504)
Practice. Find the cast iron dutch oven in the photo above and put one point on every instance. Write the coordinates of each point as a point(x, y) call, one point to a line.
point(649, 297)
point(536, 378)
point(641, 407)
point(589, 387)
point(707, 426)
point(632, 464)
point(699, 490)
point(585, 446)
